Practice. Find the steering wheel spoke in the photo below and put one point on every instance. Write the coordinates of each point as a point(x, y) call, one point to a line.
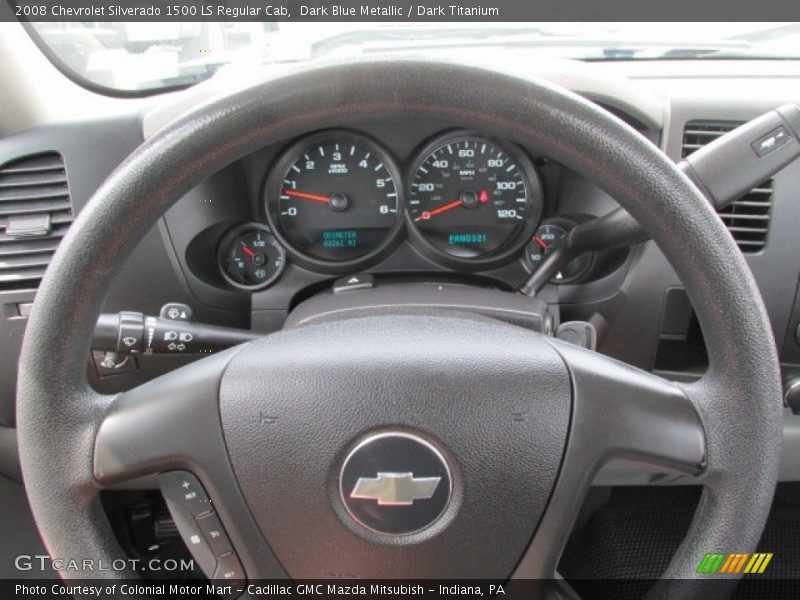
point(171, 426)
point(619, 413)
point(169, 423)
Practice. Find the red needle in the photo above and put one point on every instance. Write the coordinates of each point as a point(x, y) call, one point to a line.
point(428, 214)
point(540, 242)
point(247, 250)
point(307, 196)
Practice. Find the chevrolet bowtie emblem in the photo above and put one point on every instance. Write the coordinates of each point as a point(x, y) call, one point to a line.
point(395, 489)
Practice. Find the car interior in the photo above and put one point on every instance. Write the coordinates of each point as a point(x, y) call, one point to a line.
point(385, 301)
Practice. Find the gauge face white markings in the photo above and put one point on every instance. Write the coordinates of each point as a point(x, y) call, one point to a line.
point(468, 198)
point(500, 177)
point(250, 258)
point(336, 199)
point(301, 166)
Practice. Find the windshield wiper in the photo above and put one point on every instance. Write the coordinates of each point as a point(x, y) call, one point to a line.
point(666, 53)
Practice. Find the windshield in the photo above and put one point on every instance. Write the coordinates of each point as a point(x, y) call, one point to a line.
point(142, 57)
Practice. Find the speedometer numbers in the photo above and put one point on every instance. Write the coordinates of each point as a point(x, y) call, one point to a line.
point(473, 200)
point(335, 199)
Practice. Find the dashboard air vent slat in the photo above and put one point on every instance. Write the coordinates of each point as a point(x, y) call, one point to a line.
point(748, 217)
point(33, 192)
point(25, 261)
point(24, 180)
point(33, 206)
point(11, 280)
point(15, 248)
point(35, 213)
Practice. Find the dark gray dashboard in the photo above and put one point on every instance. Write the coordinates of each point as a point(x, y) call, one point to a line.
point(636, 303)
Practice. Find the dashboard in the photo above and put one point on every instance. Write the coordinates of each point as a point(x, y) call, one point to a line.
point(424, 201)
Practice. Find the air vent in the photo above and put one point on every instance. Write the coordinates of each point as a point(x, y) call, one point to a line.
point(35, 212)
point(748, 217)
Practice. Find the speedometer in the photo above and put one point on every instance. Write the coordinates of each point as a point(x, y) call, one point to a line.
point(335, 199)
point(472, 199)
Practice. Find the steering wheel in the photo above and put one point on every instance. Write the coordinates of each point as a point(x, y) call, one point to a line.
point(512, 424)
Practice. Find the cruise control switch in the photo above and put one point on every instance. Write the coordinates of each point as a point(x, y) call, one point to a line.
point(201, 529)
point(136, 333)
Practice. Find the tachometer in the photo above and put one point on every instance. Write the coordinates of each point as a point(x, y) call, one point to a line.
point(473, 199)
point(335, 198)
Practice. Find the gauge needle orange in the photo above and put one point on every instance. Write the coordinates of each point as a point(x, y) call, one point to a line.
point(540, 242)
point(307, 196)
point(436, 211)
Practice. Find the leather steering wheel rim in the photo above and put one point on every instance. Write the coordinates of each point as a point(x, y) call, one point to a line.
point(58, 414)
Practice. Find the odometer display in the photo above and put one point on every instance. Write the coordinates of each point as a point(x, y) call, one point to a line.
point(471, 198)
point(335, 198)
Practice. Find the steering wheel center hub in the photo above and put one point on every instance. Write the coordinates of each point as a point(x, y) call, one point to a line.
point(372, 447)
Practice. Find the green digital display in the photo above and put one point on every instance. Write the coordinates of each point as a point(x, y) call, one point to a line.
point(466, 239)
point(340, 238)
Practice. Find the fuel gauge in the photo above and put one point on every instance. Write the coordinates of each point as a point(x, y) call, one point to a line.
point(250, 257)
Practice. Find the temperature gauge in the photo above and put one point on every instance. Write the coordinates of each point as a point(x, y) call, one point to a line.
point(549, 234)
point(250, 257)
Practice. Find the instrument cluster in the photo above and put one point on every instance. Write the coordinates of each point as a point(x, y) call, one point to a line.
point(337, 201)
